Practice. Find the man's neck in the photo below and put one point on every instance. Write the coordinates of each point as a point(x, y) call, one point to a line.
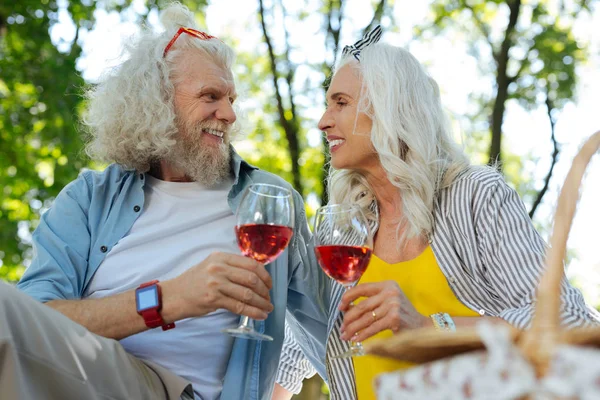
point(165, 171)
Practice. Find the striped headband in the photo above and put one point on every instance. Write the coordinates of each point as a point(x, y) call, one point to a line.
point(369, 38)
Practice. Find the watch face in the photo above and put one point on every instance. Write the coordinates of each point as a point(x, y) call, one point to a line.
point(147, 298)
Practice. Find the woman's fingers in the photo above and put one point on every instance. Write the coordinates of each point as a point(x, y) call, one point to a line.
point(385, 307)
point(357, 311)
point(369, 324)
point(371, 330)
point(361, 290)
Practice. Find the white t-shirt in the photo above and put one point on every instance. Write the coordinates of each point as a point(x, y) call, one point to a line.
point(181, 224)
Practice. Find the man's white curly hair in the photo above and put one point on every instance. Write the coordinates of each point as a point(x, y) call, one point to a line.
point(410, 134)
point(130, 117)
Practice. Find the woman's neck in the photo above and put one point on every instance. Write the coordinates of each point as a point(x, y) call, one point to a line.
point(389, 201)
point(388, 196)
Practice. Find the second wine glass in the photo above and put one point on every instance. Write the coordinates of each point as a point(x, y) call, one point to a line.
point(343, 245)
point(265, 224)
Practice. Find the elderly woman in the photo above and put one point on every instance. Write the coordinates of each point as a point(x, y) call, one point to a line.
point(453, 243)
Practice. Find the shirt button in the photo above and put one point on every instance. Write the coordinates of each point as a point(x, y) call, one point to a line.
point(452, 280)
point(103, 249)
point(482, 312)
point(136, 208)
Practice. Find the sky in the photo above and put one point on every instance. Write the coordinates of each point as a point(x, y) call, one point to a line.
point(447, 60)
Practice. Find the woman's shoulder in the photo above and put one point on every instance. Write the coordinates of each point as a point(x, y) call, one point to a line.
point(472, 188)
point(481, 175)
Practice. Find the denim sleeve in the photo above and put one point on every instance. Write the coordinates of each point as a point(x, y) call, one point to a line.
point(61, 245)
point(308, 294)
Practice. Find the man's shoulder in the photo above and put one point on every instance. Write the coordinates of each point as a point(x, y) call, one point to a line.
point(112, 174)
point(90, 180)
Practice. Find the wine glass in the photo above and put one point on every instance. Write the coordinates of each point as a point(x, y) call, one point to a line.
point(343, 246)
point(265, 223)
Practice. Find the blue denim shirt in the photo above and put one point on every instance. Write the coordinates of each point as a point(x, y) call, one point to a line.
point(91, 215)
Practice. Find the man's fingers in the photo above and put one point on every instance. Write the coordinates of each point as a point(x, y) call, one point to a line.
point(249, 280)
point(242, 294)
point(248, 264)
point(241, 308)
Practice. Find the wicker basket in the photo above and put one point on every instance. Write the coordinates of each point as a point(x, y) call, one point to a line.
point(538, 344)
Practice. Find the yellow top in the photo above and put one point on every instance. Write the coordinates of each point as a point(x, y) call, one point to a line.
point(426, 288)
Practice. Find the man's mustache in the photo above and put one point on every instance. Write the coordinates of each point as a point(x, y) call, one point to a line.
point(218, 126)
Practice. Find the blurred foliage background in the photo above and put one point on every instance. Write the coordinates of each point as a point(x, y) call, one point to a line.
point(526, 54)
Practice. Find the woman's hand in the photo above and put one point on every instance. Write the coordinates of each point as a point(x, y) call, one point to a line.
point(385, 307)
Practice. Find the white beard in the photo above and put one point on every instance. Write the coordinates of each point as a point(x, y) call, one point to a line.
point(208, 165)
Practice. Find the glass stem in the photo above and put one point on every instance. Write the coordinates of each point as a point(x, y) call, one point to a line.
point(246, 323)
point(355, 347)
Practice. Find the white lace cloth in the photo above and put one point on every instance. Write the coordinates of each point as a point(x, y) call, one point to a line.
point(500, 373)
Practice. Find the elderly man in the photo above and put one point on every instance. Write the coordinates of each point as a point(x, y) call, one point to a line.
point(157, 226)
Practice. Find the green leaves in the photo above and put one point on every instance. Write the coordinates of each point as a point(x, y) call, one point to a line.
point(528, 48)
point(40, 144)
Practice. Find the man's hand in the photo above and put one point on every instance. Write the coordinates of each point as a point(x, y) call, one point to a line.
point(232, 282)
point(235, 283)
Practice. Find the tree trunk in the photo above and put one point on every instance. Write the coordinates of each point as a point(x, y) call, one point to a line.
point(287, 118)
point(502, 82)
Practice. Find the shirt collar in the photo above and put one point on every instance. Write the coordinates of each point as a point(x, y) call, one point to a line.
point(239, 165)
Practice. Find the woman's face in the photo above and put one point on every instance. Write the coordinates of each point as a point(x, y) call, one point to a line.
point(348, 129)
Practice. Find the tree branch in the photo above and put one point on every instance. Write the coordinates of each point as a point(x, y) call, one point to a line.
point(273, 61)
point(289, 77)
point(2, 25)
point(290, 129)
point(502, 83)
point(376, 17)
point(516, 76)
point(485, 31)
point(332, 33)
point(333, 37)
point(515, 8)
point(542, 192)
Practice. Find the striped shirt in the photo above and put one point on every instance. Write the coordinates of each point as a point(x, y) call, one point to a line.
point(491, 256)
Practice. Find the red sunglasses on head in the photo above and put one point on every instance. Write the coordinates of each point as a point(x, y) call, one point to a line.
point(193, 32)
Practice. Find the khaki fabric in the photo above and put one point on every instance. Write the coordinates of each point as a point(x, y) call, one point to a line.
point(45, 355)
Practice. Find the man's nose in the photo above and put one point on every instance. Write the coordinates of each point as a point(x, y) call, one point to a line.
point(225, 112)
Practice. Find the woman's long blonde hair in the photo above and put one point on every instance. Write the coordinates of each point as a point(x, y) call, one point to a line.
point(410, 135)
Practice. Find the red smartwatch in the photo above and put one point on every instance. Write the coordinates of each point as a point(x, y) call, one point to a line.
point(148, 300)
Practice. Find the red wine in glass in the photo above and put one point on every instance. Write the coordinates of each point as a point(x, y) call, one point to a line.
point(263, 242)
point(345, 264)
point(265, 223)
point(343, 248)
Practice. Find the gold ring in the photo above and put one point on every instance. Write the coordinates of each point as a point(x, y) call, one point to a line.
point(374, 316)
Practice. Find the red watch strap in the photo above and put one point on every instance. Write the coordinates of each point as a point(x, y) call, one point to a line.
point(152, 317)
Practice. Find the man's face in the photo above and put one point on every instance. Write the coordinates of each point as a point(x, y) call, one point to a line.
point(204, 94)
